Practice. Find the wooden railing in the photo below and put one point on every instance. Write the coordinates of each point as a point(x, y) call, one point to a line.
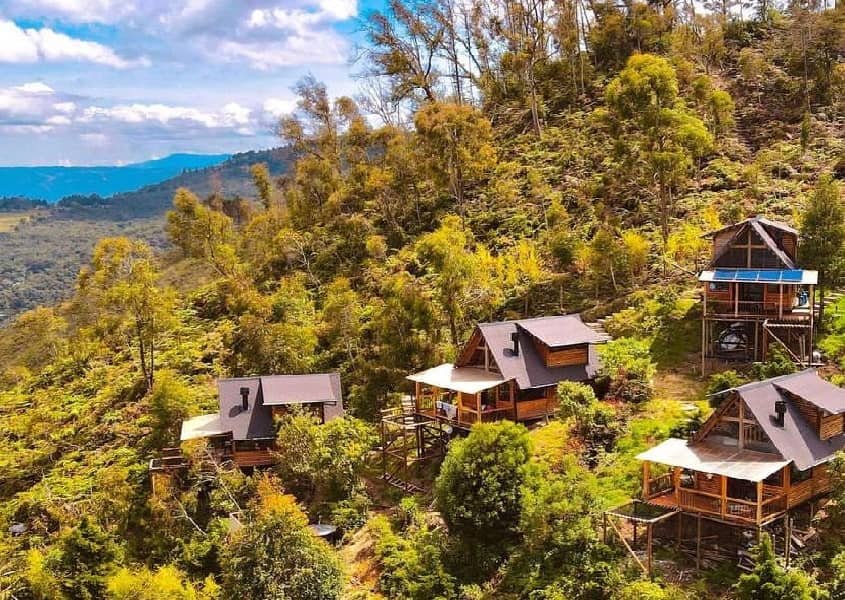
point(734, 508)
point(659, 485)
point(747, 307)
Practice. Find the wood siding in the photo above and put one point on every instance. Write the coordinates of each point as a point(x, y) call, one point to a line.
point(801, 492)
point(831, 425)
point(528, 410)
point(564, 357)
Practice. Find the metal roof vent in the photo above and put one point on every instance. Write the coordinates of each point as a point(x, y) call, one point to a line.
point(245, 398)
point(515, 340)
point(780, 412)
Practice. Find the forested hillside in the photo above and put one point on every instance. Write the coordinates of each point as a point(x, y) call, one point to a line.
point(43, 248)
point(538, 158)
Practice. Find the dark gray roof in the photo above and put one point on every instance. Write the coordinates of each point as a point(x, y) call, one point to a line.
point(796, 440)
point(527, 367)
point(253, 423)
point(274, 390)
point(563, 330)
point(815, 390)
point(301, 389)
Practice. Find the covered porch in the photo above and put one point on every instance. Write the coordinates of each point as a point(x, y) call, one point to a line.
point(463, 396)
point(740, 486)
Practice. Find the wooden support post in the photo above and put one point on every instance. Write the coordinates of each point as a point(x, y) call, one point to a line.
point(478, 407)
point(723, 495)
point(513, 399)
point(417, 388)
point(704, 333)
point(812, 319)
point(741, 442)
point(787, 545)
point(759, 502)
point(649, 548)
point(736, 299)
point(676, 484)
point(698, 544)
point(646, 483)
point(604, 527)
point(679, 531)
point(780, 301)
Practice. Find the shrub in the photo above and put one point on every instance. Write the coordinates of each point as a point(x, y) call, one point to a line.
point(412, 563)
point(627, 369)
point(275, 556)
point(479, 489)
point(720, 382)
point(770, 581)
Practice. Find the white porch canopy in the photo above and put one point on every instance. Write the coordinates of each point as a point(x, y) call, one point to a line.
point(715, 458)
point(468, 380)
point(202, 426)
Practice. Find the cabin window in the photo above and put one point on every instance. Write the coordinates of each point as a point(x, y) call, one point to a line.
point(719, 287)
point(797, 476)
point(773, 288)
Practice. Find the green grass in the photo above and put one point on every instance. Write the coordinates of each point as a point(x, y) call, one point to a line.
point(678, 399)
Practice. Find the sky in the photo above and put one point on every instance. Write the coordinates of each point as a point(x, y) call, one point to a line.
point(85, 82)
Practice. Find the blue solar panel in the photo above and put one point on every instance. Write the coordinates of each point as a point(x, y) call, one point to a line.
point(790, 276)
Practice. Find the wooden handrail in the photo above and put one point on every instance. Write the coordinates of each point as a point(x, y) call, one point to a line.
point(718, 497)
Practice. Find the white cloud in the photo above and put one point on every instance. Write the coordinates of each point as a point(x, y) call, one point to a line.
point(277, 108)
point(35, 87)
point(264, 34)
point(36, 45)
point(58, 120)
point(65, 107)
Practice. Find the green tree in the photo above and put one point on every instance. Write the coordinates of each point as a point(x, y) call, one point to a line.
point(456, 141)
point(82, 559)
point(627, 369)
point(770, 581)
point(122, 287)
point(165, 583)
point(200, 231)
point(479, 489)
point(576, 402)
point(823, 236)
point(274, 556)
point(263, 184)
point(654, 128)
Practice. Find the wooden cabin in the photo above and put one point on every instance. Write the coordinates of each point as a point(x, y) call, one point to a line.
point(763, 453)
point(243, 430)
point(755, 295)
point(509, 370)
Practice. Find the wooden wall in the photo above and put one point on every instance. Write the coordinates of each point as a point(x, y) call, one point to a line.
point(564, 357)
point(830, 426)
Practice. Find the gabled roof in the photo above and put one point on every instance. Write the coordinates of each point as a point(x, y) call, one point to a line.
point(527, 367)
point(797, 440)
point(815, 390)
point(757, 225)
point(563, 330)
point(255, 422)
point(762, 220)
point(279, 390)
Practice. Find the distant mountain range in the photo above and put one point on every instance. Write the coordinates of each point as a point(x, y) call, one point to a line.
point(43, 246)
point(53, 183)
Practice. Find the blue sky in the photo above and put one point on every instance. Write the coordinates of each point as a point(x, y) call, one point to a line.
point(117, 81)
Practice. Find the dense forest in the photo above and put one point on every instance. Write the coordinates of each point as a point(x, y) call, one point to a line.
point(536, 157)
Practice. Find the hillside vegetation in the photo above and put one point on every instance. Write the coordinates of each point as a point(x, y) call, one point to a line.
point(44, 249)
point(548, 163)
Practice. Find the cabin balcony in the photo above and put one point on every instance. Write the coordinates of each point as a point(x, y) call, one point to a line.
point(462, 416)
point(741, 510)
